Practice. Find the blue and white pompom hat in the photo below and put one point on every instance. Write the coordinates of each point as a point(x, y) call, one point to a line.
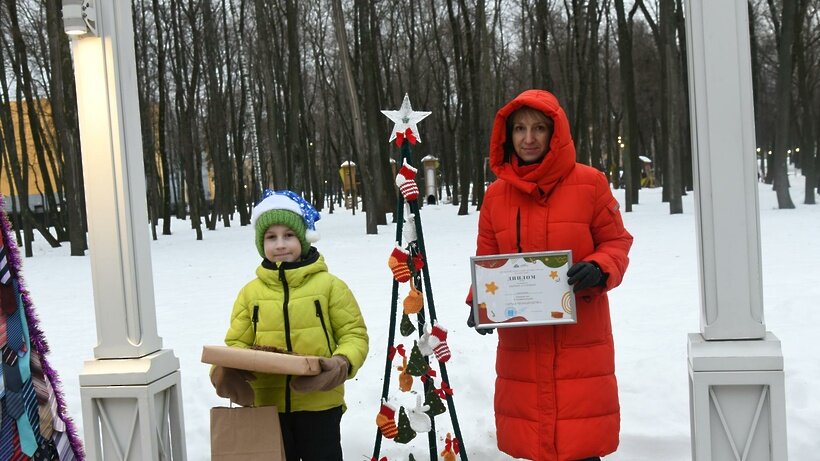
point(287, 208)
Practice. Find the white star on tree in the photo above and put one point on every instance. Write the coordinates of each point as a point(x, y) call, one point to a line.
point(405, 118)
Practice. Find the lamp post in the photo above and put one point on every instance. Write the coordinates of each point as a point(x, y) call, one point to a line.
point(736, 382)
point(130, 390)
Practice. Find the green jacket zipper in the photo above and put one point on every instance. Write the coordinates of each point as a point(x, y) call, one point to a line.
point(288, 343)
point(322, 320)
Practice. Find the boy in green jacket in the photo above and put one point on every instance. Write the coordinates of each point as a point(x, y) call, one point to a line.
point(294, 304)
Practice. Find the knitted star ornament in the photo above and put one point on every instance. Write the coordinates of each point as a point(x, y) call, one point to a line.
point(406, 181)
point(397, 262)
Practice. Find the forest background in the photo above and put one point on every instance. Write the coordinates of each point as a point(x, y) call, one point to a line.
point(238, 95)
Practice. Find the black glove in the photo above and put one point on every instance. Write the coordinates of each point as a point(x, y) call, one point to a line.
point(585, 275)
point(481, 331)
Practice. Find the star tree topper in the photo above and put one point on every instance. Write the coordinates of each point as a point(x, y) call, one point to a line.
point(405, 118)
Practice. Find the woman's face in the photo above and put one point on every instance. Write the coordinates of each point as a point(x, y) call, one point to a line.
point(531, 134)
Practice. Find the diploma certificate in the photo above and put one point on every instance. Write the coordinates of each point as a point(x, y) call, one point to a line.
point(522, 289)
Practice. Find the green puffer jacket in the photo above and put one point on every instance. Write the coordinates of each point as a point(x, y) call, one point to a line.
point(298, 307)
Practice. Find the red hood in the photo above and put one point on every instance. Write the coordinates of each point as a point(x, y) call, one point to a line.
point(558, 162)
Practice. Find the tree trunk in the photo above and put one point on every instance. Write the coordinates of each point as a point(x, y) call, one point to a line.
point(352, 93)
point(630, 106)
point(782, 137)
point(65, 124)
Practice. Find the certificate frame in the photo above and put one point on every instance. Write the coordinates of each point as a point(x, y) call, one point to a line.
point(522, 289)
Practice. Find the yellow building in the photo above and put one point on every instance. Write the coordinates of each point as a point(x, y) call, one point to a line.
point(35, 181)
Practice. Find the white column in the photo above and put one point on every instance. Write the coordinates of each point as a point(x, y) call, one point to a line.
point(737, 401)
point(130, 391)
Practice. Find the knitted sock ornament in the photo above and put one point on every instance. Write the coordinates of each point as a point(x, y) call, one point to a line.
point(405, 179)
point(438, 341)
point(397, 262)
point(386, 420)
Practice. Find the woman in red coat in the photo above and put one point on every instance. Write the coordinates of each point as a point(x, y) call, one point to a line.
point(556, 397)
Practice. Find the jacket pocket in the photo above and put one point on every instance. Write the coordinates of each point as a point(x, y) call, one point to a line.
point(593, 326)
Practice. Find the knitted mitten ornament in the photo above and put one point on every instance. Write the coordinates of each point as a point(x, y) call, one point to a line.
point(386, 420)
point(451, 448)
point(414, 301)
point(406, 182)
point(409, 229)
point(405, 379)
point(438, 341)
point(397, 262)
point(424, 342)
point(419, 421)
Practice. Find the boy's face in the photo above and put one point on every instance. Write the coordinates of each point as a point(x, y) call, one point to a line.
point(281, 244)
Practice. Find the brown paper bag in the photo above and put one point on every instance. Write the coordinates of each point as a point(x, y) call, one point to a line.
point(246, 434)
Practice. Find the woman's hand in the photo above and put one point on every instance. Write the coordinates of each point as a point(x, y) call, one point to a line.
point(481, 331)
point(585, 275)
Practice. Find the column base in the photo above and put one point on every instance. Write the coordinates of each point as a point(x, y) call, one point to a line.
point(132, 408)
point(737, 402)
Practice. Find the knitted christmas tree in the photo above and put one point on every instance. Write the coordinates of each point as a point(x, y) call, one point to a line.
point(34, 421)
point(406, 433)
point(407, 262)
point(432, 400)
point(406, 328)
point(417, 365)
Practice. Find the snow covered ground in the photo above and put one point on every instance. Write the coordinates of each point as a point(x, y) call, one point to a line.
point(653, 310)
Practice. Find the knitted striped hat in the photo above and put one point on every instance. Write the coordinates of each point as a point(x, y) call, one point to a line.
point(288, 209)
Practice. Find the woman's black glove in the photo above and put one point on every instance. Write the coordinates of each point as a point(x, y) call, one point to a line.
point(585, 275)
point(471, 324)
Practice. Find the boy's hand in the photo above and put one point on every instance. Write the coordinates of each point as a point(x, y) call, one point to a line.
point(232, 383)
point(333, 374)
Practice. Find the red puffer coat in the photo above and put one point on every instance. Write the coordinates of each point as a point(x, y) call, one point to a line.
point(556, 397)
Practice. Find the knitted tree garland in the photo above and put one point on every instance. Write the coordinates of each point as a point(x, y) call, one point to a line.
point(408, 263)
point(34, 420)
